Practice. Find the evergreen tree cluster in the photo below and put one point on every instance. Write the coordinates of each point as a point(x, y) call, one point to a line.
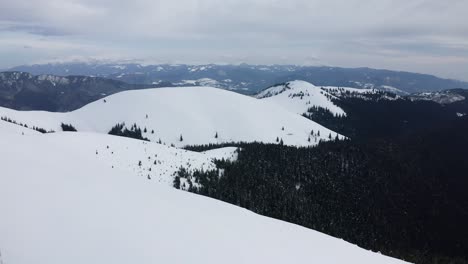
point(371, 117)
point(403, 197)
point(68, 127)
point(134, 132)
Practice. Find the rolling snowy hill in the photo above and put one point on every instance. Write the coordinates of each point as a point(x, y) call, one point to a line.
point(185, 116)
point(149, 160)
point(299, 96)
point(60, 202)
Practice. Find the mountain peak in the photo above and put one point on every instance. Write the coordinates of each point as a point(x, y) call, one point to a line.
point(298, 96)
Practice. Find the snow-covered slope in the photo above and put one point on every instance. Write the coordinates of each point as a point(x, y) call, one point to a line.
point(195, 113)
point(7, 127)
point(60, 205)
point(299, 96)
point(151, 161)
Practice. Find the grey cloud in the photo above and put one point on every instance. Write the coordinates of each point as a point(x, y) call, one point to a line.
point(262, 31)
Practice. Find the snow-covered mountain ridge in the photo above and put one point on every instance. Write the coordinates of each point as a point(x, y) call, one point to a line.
point(299, 96)
point(251, 77)
point(185, 116)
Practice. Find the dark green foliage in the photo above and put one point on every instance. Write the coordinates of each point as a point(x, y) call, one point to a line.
point(368, 117)
point(123, 131)
point(68, 127)
point(201, 148)
point(406, 198)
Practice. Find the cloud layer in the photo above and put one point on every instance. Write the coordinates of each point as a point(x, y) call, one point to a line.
point(417, 35)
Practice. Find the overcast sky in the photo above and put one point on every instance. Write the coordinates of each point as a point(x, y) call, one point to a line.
point(428, 36)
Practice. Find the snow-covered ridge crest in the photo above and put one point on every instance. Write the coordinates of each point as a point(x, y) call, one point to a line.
point(273, 90)
point(185, 116)
point(299, 96)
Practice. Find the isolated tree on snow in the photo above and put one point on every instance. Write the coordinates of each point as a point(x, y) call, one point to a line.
point(181, 138)
point(216, 136)
point(277, 139)
point(177, 182)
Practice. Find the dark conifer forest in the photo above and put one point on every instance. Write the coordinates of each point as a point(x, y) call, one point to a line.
point(397, 185)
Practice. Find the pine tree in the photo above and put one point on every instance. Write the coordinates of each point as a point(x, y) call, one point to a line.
point(144, 130)
point(181, 138)
point(216, 136)
point(177, 182)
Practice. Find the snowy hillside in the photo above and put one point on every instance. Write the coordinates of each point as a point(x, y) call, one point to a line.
point(6, 127)
point(185, 116)
point(299, 96)
point(149, 160)
point(60, 204)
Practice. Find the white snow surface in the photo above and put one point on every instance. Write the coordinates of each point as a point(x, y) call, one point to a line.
point(299, 96)
point(155, 162)
point(196, 113)
point(60, 205)
point(7, 127)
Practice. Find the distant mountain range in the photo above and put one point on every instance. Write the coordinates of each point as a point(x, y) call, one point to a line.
point(24, 91)
point(251, 78)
